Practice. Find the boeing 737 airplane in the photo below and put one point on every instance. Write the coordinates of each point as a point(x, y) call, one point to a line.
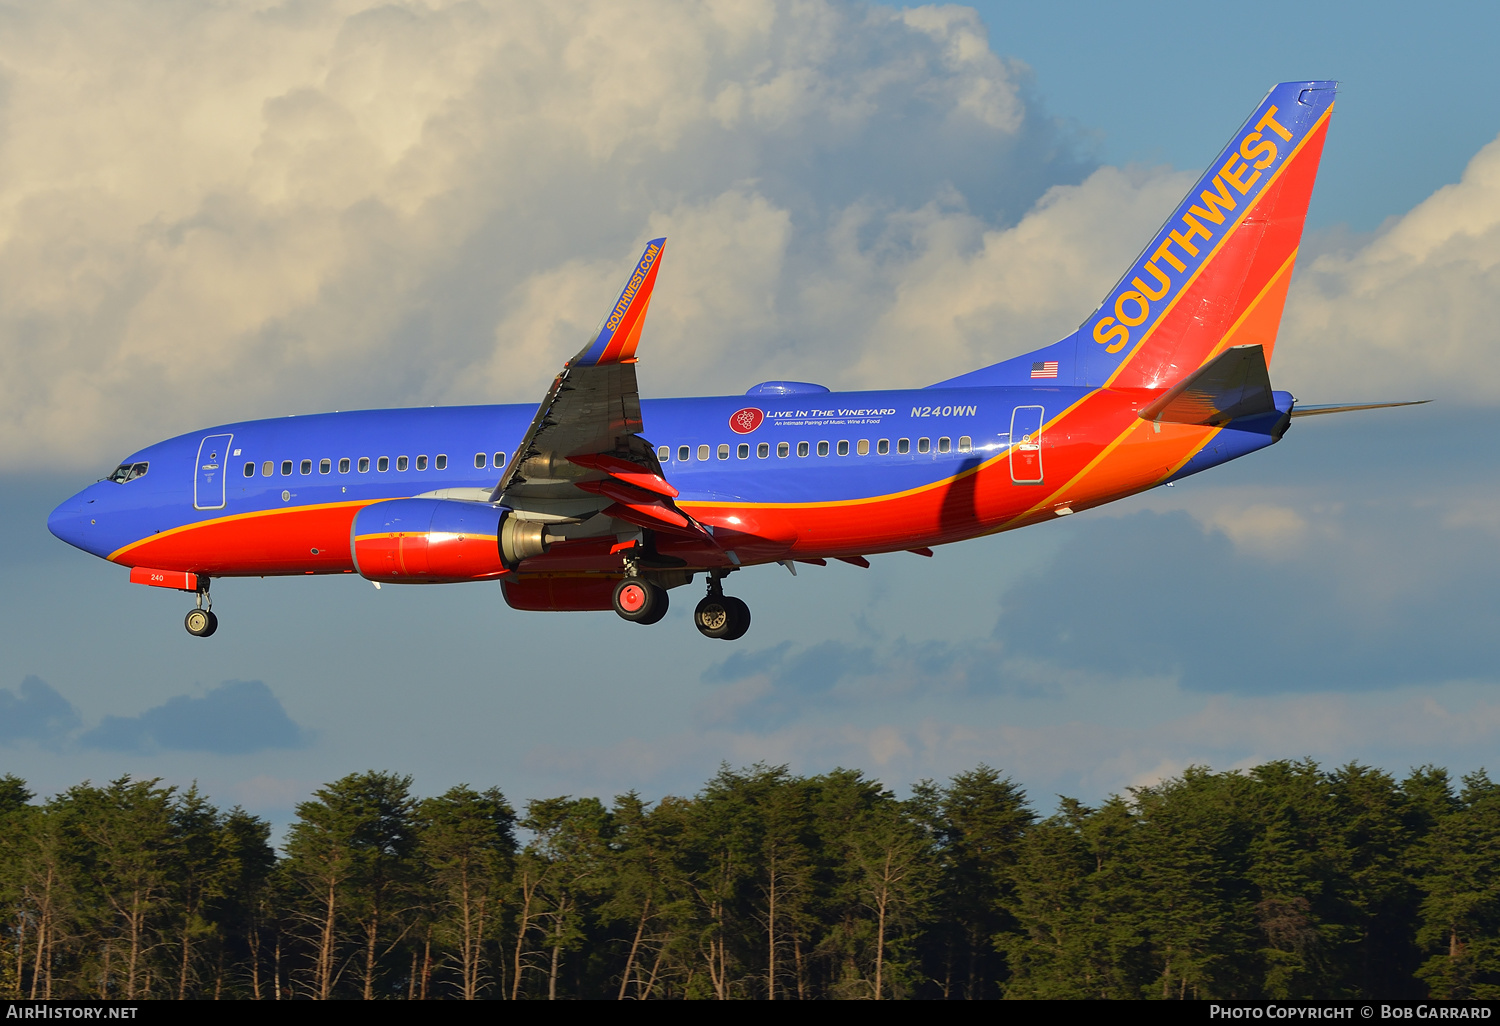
point(598, 500)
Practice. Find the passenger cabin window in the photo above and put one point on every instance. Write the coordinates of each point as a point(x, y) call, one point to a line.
point(480, 459)
point(286, 468)
point(801, 448)
point(663, 452)
point(903, 446)
point(344, 465)
point(843, 448)
point(864, 447)
point(249, 469)
point(702, 452)
point(306, 467)
point(421, 462)
point(383, 464)
point(944, 444)
point(364, 464)
point(499, 460)
point(723, 451)
point(743, 451)
point(883, 447)
point(267, 468)
point(923, 444)
point(684, 452)
point(822, 448)
point(441, 463)
point(762, 450)
point(401, 463)
point(325, 466)
point(965, 443)
point(783, 450)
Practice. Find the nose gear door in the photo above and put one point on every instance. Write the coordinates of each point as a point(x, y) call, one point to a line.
point(208, 479)
point(1026, 445)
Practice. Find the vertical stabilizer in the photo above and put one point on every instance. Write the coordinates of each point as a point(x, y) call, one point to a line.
point(1216, 275)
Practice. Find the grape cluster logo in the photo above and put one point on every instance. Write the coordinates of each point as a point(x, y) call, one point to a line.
point(742, 422)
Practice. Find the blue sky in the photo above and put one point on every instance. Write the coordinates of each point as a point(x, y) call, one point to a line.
point(381, 207)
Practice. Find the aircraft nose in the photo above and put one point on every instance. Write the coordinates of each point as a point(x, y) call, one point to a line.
point(68, 522)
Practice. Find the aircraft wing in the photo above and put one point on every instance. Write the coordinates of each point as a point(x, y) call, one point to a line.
point(584, 452)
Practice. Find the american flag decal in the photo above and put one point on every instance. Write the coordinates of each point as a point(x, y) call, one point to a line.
point(1044, 369)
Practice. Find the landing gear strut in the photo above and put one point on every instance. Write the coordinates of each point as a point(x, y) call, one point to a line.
point(202, 622)
point(720, 615)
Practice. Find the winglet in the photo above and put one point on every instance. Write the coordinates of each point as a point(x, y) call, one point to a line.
point(620, 331)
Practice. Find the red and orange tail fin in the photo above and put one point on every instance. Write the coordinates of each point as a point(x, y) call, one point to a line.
point(1216, 275)
point(620, 331)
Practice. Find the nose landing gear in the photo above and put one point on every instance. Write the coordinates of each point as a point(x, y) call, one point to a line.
point(720, 615)
point(202, 622)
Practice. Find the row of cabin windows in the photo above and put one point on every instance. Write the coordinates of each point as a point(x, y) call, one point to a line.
point(684, 454)
point(784, 449)
point(382, 464)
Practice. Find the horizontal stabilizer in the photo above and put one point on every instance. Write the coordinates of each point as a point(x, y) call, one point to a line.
point(1312, 411)
point(1233, 384)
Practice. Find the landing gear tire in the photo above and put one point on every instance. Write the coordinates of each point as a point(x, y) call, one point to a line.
point(200, 623)
point(640, 601)
point(740, 618)
point(722, 616)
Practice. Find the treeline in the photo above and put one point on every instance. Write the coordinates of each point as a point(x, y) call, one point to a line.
point(1283, 881)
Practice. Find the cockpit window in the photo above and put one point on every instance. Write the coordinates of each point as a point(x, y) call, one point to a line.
point(128, 472)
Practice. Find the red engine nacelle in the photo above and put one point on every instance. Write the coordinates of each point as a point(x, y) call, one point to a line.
point(433, 541)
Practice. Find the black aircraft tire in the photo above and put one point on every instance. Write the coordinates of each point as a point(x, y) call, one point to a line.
point(739, 616)
point(660, 603)
point(200, 623)
point(640, 601)
point(713, 617)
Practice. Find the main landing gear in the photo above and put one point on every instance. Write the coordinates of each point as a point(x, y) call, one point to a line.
point(202, 622)
point(641, 600)
point(720, 615)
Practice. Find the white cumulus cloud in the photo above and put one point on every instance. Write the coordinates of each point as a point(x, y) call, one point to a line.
point(248, 209)
point(1412, 314)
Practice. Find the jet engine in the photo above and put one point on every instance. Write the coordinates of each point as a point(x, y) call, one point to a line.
point(436, 541)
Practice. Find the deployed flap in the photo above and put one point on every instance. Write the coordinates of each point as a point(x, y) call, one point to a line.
point(1233, 384)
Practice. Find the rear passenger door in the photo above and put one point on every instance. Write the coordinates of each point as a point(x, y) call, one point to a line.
point(1026, 445)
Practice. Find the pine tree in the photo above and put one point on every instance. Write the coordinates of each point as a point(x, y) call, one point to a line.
point(468, 844)
point(980, 821)
point(1460, 866)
